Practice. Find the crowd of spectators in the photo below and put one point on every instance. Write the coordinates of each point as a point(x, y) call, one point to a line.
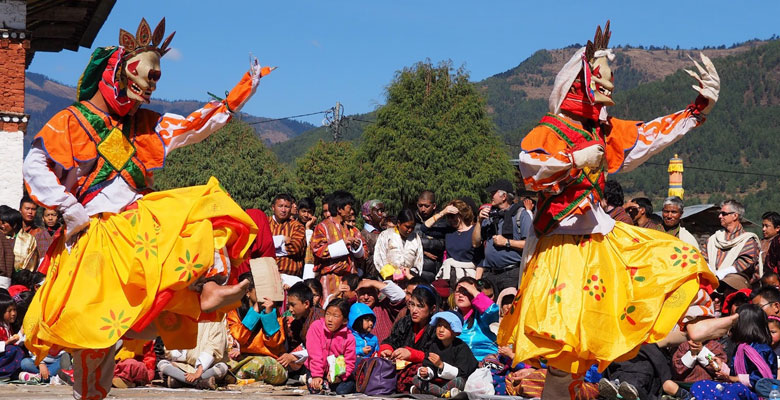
point(424, 289)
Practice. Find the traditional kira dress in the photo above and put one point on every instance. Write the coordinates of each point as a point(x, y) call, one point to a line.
point(593, 289)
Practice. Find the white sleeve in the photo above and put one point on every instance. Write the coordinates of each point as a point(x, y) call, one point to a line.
point(658, 134)
point(359, 253)
point(309, 234)
point(448, 371)
point(178, 355)
point(45, 187)
point(338, 249)
point(721, 273)
point(688, 359)
point(704, 355)
point(205, 359)
point(393, 292)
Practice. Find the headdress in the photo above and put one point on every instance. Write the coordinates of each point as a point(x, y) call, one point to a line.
point(145, 39)
point(577, 64)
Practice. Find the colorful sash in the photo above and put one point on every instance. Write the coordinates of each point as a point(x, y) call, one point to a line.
point(586, 182)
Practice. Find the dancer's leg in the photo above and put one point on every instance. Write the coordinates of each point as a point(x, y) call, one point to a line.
point(711, 328)
point(556, 385)
point(92, 373)
point(215, 296)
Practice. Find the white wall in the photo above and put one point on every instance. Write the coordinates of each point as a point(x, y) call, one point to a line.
point(11, 184)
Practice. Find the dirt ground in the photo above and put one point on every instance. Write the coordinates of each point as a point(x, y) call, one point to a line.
point(249, 392)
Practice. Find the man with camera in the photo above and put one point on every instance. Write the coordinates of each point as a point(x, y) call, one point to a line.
point(504, 227)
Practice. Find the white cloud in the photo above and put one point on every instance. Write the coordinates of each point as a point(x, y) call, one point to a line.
point(173, 54)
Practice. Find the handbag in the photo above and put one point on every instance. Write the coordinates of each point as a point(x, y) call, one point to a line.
point(375, 376)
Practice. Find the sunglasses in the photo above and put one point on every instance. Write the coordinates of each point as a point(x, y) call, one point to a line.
point(723, 213)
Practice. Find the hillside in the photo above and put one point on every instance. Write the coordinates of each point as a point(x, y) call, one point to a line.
point(741, 135)
point(518, 97)
point(45, 97)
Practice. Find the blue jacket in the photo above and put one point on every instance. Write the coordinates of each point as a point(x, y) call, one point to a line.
point(362, 339)
point(478, 336)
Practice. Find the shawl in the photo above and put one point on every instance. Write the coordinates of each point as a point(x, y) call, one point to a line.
point(732, 248)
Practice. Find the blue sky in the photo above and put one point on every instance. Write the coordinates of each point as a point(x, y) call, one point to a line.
point(348, 51)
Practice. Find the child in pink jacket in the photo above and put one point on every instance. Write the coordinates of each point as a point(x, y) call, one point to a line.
point(331, 348)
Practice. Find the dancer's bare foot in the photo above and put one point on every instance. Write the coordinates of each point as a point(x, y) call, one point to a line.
point(711, 328)
point(215, 296)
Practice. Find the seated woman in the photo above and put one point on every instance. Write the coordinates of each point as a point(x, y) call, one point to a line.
point(202, 366)
point(256, 328)
point(398, 252)
point(412, 335)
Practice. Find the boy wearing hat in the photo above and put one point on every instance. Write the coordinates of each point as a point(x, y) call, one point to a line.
point(448, 362)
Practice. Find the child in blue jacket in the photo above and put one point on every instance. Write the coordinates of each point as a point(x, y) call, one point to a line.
point(361, 322)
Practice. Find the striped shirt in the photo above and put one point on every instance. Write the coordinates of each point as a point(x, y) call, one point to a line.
point(619, 214)
point(747, 259)
point(330, 232)
point(292, 263)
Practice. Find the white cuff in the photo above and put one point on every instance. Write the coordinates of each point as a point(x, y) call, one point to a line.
point(5, 282)
point(300, 355)
point(278, 241)
point(359, 252)
point(2, 346)
point(721, 273)
point(430, 374)
point(205, 359)
point(393, 292)
point(448, 372)
point(179, 355)
point(309, 234)
point(338, 249)
point(704, 355)
point(308, 271)
point(688, 359)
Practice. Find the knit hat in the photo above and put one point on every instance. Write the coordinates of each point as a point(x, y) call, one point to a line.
point(456, 323)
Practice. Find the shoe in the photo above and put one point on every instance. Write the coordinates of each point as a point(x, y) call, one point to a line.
point(207, 384)
point(229, 379)
point(55, 380)
point(627, 391)
point(414, 390)
point(120, 383)
point(29, 377)
point(608, 389)
point(66, 376)
point(453, 392)
point(173, 383)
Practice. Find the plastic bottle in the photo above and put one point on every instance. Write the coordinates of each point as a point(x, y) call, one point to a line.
point(775, 393)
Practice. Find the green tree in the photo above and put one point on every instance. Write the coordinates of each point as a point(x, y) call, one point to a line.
point(326, 167)
point(245, 167)
point(433, 133)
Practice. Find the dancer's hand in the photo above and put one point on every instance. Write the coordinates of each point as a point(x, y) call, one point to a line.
point(192, 377)
point(709, 83)
point(76, 220)
point(590, 156)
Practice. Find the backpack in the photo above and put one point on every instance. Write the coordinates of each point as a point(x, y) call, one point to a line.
point(375, 376)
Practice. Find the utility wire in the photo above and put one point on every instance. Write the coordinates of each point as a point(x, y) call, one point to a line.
point(293, 116)
point(718, 170)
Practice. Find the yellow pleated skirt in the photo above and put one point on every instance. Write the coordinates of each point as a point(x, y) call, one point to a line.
point(110, 278)
point(597, 298)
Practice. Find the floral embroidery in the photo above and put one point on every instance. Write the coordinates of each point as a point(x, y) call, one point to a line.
point(146, 246)
point(625, 316)
point(633, 271)
point(595, 287)
point(684, 256)
point(115, 323)
point(188, 268)
point(557, 288)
